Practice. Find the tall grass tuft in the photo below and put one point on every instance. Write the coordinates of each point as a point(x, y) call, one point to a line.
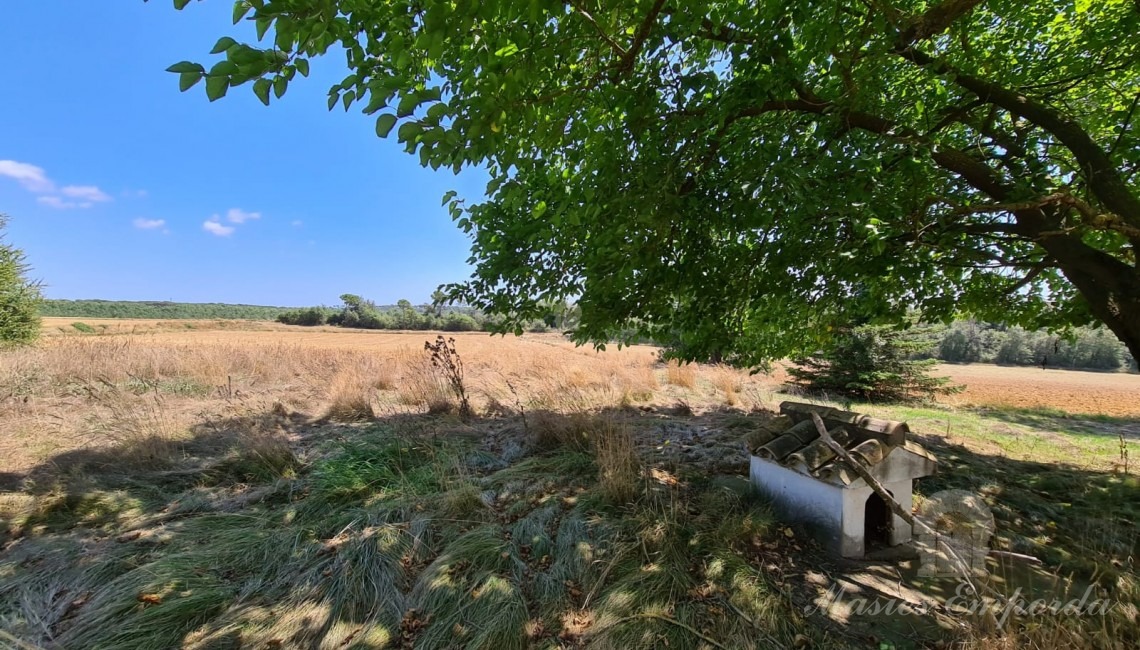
point(619, 472)
point(681, 374)
point(350, 397)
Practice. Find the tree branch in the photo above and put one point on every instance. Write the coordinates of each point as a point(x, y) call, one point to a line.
point(1099, 171)
point(936, 20)
point(639, 38)
point(621, 52)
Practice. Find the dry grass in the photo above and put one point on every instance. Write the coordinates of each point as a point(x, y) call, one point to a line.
point(729, 381)
point(350, 397)
point(619, 472)
point(681, 374)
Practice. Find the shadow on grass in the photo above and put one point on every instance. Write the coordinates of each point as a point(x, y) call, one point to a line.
point(1077, 521)
point(1053, 420)
point(410, 530)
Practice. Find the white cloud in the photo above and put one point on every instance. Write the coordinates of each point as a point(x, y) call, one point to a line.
point(149, 224)
point(135, 194)
point(31, 177)
point(35, 179)
point(237, 215)
point(297, 223)
point(85, 192)
point(58, 203)
point(214, 227)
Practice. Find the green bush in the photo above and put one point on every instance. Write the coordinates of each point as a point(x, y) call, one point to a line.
point(308, 317)
point(455, 322)
point(872, 363)
point(83, 327)
point(20, 297)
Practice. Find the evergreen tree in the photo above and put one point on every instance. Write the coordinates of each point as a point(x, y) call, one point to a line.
point(871, 362)
point(20, 297)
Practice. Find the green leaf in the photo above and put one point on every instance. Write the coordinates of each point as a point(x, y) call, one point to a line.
point(384, 124)
point(181, 4)
point(280, 84)
point(448, 196)
point(216, 87)
point(224, 43)
point(407, 105)
point(510, 49)
point(302, 66)
point(408, 131)
point(186, 66)
point(261, 89)
point(241, 8)
point(334, 97)
point(187, 80)
point(223, 68)
point(347, 98)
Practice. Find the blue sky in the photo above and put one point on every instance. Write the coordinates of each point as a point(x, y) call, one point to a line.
point(120, 187)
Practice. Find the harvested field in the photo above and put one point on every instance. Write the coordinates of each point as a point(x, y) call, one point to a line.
point(1071, 391)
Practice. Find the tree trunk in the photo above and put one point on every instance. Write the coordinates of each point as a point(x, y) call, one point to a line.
point(1110, 286)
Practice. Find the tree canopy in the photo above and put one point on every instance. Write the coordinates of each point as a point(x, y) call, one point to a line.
point(745, 176)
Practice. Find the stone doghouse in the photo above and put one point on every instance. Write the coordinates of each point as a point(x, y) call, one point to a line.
point(808, 483)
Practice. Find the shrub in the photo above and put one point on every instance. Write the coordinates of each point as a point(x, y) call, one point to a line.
point(870, 362)
point(308, 317)
point(20, 298)
point(83, 327)
point(456, 322)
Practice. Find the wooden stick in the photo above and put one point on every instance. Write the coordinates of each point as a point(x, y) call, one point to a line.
point(1016, 556)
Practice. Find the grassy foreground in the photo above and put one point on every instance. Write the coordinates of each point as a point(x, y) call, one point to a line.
point(604, 508)
point(390, 537)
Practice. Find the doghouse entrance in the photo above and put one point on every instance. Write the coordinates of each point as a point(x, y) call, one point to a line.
point(876, 524)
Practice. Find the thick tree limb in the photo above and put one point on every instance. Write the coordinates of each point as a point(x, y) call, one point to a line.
point(1101, 174)
point(936, 20)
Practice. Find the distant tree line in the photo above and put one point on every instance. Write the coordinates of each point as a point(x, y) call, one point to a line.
point(970, 341)
point(964, 341)
point(358, 312)
point(156, 310)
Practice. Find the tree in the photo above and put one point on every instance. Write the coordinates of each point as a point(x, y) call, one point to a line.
point(870, 362)
point(751, 175)
point(438, 300)
point(20, 297)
